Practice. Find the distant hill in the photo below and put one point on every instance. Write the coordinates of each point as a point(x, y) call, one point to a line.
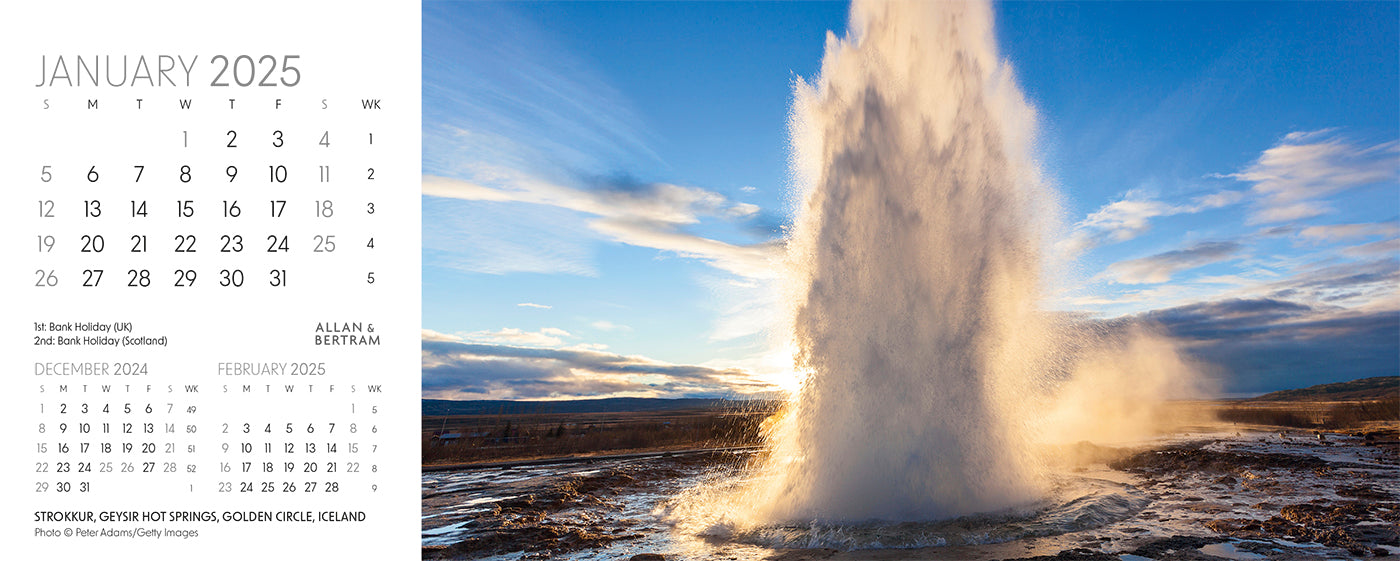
point(610, 405)
point(1382, 387)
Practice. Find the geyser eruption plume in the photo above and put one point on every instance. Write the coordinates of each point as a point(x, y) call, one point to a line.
point(914, 275)
point(915, 267)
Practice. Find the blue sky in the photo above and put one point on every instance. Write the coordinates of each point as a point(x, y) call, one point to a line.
point(605, 183)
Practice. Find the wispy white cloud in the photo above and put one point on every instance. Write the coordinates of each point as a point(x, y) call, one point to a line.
point(1216, 200)
point(1123, 219)
point(1123, 298)
point(649, 215)
point(1337, 232)
point(1382, 248)
point(1268, 214)
point(754, 261)
point(1357, 277)
point(661, 203)
point(430, 335)
point(1159, 268)
point(1361, 283)
point(546, 337)
point(1131, 216)
point(1292, 178)
point(609, 326)
point(534, 305)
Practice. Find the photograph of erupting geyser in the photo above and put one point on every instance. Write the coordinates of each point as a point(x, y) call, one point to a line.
point(911, 280)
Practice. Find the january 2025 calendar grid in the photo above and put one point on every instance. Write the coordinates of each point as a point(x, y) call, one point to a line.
point(212, 280)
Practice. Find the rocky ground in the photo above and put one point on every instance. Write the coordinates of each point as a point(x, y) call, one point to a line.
point(1347, 501)
point(546, 514)
point(1245, 495)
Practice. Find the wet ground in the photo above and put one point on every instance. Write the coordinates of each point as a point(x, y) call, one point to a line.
point(1200, 496)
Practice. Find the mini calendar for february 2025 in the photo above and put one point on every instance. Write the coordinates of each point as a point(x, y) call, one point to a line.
point(211, 237)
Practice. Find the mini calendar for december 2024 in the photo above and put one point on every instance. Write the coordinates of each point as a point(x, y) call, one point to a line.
point(211, 292)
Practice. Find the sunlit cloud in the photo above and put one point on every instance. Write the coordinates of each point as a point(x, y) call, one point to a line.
point(1291, 179)
point(1355, 277)
point(754, 261)
point(1159, 268)
point(1216, 200)
point(609, 326)
point(1350, 284)
point(1131, 216)
point(546, 337)
point(1390, 247)
point(534, 305)
point(1116, 222)
point(430, 335)
point(1336, 232)
point(644, 215)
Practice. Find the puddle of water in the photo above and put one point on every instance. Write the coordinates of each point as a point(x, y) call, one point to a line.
point(1229, 551)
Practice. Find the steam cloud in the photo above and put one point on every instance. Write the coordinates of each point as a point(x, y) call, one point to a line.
point(914, 276)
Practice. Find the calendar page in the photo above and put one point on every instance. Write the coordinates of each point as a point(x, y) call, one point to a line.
point(211, 293)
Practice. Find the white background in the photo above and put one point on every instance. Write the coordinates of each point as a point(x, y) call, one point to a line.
point(348, 51)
